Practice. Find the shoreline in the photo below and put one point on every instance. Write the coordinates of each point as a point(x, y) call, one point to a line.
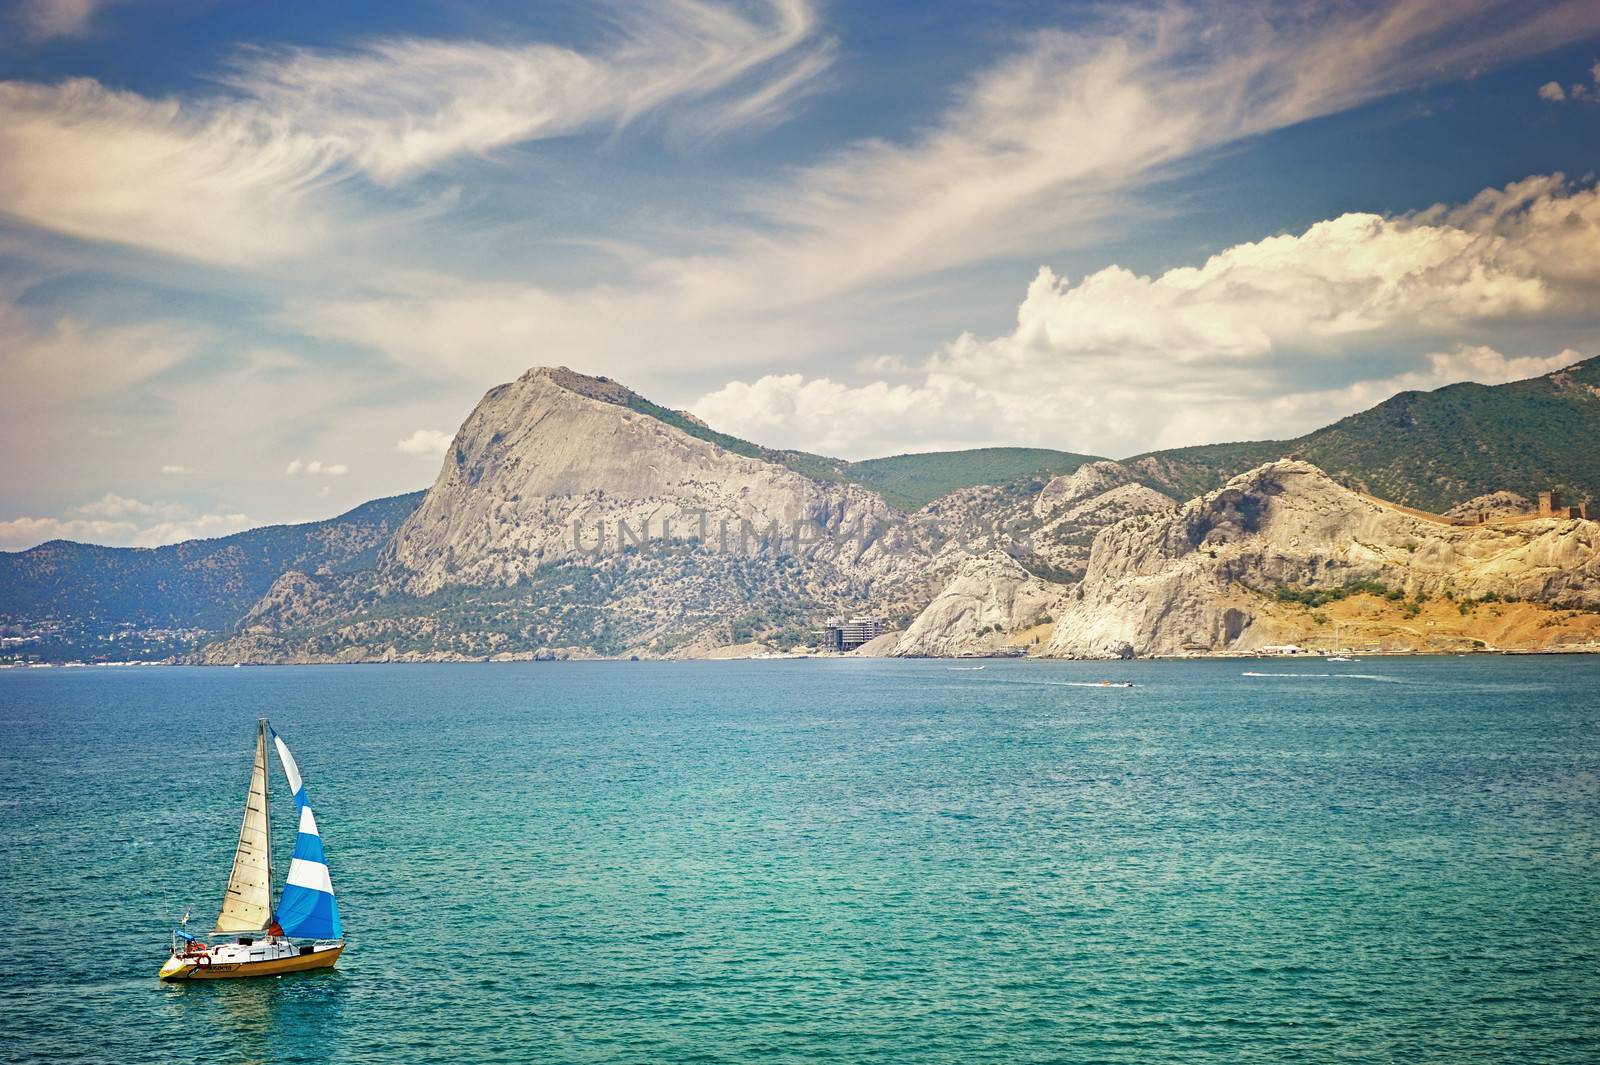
point(1304, 656)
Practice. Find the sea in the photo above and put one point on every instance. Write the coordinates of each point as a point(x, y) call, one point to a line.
point(1392, 860)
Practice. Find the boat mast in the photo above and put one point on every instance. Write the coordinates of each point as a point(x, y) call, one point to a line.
point(266, 804)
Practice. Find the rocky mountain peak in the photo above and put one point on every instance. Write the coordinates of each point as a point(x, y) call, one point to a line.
point(603, 389)
point(1086, 482)
point(547, 461)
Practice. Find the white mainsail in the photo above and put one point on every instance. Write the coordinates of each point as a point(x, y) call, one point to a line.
point(247, 904)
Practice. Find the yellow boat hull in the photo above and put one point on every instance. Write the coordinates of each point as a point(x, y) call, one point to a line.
point(181, 969)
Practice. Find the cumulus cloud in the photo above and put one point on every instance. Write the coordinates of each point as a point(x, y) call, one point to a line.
point(241, 178)
point(1039, 152)
point(428, 443)
point(120, 521)
point(19, 534)
point(112, 505)
point(1554, 92)
point(315, 468)
point(1243, 345)
point(1511, 252)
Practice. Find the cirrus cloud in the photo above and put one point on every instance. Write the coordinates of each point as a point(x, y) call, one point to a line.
point(247, 177)
point(1041, 151)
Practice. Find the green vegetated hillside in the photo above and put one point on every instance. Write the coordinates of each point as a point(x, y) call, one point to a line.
point(913, 481)
point(907, 481)
point(1432, 449)
point(71, 600)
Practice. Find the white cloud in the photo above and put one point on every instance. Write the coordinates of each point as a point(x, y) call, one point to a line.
point(242, 178)
point(1039, 152)
point(428, 443)
point(44, 19)
point(112, 505)
point(222, 183)
point(19, 534)
point(173, 468)
point(1242, 346)
point(1553, 92)
point(64, 361)
point(829, 417)
point(200, 526)
point(401, 106)
point(315, 468)
point(120, 521)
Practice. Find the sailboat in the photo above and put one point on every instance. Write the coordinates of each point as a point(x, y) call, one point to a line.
point(304, 932)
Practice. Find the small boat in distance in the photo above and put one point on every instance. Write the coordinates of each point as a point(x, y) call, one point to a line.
point(1341, 658)
point(963, 669)
point(304, 932)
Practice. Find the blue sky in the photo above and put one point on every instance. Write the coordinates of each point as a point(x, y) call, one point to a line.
point(257, 264)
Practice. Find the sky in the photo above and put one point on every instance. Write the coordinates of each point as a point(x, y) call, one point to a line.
point(258, 263)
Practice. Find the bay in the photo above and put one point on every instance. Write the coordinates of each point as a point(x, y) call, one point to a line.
point(892, 861)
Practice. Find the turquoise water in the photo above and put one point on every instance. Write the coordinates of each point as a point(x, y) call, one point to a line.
point(826, 861)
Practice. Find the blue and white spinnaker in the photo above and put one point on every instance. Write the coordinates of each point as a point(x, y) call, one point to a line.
point(307, 908)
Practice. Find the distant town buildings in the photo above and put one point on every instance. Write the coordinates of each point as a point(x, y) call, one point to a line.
point(848, 635)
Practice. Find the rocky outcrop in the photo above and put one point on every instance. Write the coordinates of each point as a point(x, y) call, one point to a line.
point(1200, 578)
point(989, 598)
point(1072, 510)
point(1081, 485)
point(1492, 505)
point(556, 466)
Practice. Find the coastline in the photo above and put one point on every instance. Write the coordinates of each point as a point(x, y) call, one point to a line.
point(513, 659)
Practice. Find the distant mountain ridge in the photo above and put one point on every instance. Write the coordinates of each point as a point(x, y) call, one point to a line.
point(1430, 450)
point(95, 600)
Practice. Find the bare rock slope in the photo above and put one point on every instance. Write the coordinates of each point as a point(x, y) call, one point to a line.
point(1203, 577)
point(1072, 510)
point(989, 597)
point(569, 513)
point(543, 462)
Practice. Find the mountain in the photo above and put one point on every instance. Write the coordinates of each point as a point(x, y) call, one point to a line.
point(1284, 554)
point(1005, 586)
point(911, 482)
point(554, 454)
point(1431, 450)
point(502, 556)
point(908, 482)
point(569, 514)
point(64, 600)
